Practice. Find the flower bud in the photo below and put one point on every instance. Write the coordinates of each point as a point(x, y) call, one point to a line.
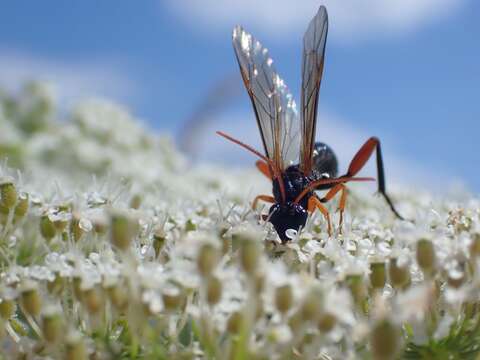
point(235, 322)
point(226, 244)
point(357, 288)
point(207, 259)
point(225, 237)
point(295, 321)
point(426, 256)
point(326, 322)
point(399, 275)
point(378, 276)
point(172, 298)
point(93, 299)
point(122, 230)
point(75, 347)
point(259, 309)
point(75, 228)
point(457, 276)
point(100, 225)
point(7, 308)
point(190, 225)
point(214, 290)
point(284, 298)
point(65, 207)
point(77, 287)
point(47, 228)
point(259, 282)
point(456, 281)
point(52, 327)
point(136, 201)
point(22, 206)
point(307, 340)
point(61, 223)
point(56, 286)
point(8, 195)
point(385, 340)
point(159, 238)
point(312, 305)
point(223, 229)
point(249, 255)
point(31, 301)
point(475, 245)
point(118, 296)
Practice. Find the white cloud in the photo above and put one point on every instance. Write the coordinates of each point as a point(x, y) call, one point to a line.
point(72, 80)
point(345, 138)
point(283, 18)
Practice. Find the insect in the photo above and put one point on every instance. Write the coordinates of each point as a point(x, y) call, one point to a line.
point(296, 165)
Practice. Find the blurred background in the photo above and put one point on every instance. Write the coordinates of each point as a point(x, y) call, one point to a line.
point(404, 70)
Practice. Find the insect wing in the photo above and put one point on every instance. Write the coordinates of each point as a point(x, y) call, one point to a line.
point(314, 42)
point(273, 105)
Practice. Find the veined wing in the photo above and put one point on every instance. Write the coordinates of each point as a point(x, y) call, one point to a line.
point(273, 105)
point(314, 42)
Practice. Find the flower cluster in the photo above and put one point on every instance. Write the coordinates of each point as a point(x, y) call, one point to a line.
point(111, 246)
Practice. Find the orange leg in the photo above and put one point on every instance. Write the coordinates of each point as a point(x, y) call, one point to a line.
point(362, 156)
point(343, 200)
point(264, 169)
point(314, 203)
point(360, 159)
point(266, 198)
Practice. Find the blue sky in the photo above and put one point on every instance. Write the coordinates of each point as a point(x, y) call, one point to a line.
point(408, 71)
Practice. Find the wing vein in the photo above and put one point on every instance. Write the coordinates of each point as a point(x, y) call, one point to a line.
point(314, 42)
point(273, 105)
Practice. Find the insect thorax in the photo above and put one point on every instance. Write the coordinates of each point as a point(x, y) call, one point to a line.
point(294, 182)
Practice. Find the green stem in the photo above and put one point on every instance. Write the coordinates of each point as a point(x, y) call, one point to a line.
point(12, 332)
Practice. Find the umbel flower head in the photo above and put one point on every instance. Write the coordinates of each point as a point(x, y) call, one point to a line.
point(151, 258)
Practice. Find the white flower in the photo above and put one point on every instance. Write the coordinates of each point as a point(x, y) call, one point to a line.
point(338, 302)
point(154, 300)
point(414, 303)
point(58, 263)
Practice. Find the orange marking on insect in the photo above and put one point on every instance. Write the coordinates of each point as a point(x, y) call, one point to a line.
point(314, 203)
point(317, 183)
point(362, 156)
point(343, 199)
point(264, 168)
point(266, 198)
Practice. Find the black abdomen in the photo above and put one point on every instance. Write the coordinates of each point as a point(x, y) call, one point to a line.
point(325, 164)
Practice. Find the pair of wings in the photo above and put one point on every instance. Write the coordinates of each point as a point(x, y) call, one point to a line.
point(287, 138)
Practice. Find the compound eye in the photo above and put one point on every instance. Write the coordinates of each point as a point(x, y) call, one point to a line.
point(325, 176)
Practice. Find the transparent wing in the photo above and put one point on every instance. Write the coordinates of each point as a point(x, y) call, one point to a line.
point(314, 42)
point(273, 105)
